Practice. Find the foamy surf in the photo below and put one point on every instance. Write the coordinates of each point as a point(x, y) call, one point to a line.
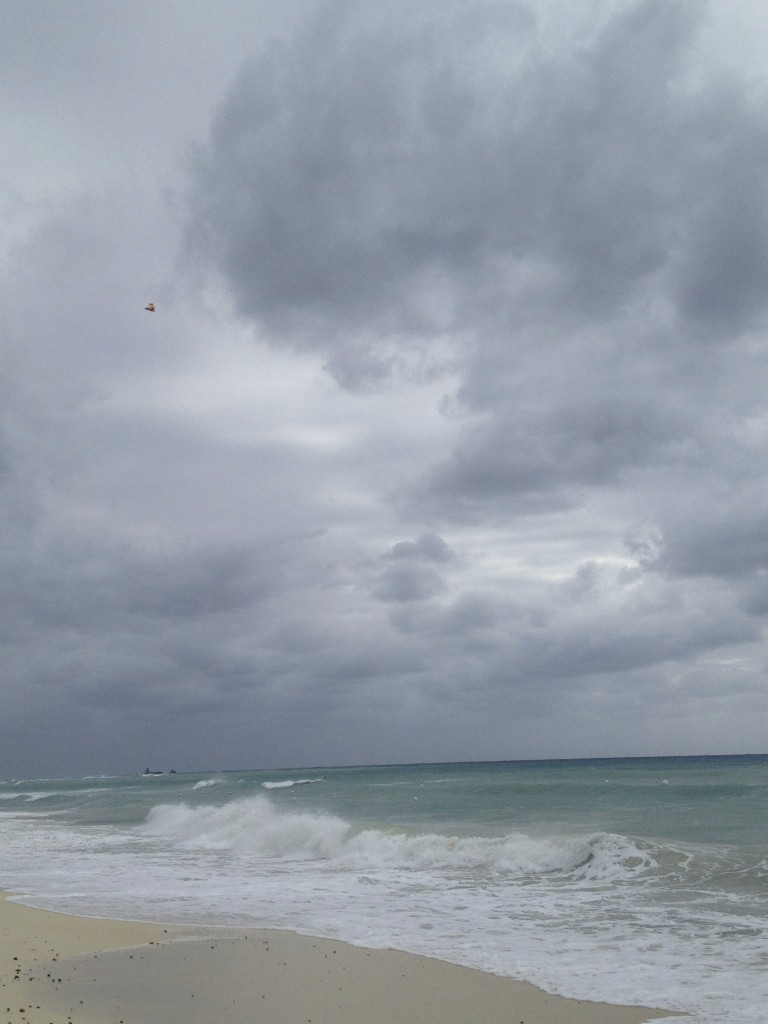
point(289, 783)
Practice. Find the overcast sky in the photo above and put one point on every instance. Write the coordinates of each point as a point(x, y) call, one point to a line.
point(449, 437)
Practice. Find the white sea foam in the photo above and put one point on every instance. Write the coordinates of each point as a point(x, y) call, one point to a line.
point(255, 825)
point(289, 783)
point(28, 797)
point(250, 824)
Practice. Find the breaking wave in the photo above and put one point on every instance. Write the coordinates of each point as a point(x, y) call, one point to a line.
point(289, 783)
point(254, 826)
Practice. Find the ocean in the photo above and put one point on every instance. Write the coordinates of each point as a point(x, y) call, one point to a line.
point(637, 880)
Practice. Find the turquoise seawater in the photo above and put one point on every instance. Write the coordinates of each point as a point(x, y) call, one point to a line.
point(638, 880)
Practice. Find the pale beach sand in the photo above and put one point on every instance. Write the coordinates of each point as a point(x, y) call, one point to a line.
point(56, 969)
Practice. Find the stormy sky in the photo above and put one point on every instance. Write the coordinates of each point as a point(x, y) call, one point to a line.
point(448, 439)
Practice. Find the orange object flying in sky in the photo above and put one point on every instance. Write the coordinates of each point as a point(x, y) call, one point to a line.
point(150, 307)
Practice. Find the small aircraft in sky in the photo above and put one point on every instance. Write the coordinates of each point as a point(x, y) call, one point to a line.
point(150, 307)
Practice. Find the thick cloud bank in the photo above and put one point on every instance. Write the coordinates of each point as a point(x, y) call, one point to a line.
point(459, 450)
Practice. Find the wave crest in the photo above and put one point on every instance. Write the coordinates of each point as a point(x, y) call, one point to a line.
point(255, 826)
point(289, 783)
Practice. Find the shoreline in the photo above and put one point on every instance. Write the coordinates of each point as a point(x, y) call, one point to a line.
point(60, 969)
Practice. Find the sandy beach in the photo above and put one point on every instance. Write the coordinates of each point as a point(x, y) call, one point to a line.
point(56, 969)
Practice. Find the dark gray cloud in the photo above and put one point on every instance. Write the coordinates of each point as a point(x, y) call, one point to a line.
point(428, 547)
point(448, 437)
point(410, 572)
point(730, 544)
point(373, 175)
point(532, 457)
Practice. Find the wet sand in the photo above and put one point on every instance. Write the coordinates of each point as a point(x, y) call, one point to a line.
point(57, 969)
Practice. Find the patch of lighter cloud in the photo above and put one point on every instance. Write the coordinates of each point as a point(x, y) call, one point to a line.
point(548, 549)
point(242, 391)
point(229, 383)
point(734, 37)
